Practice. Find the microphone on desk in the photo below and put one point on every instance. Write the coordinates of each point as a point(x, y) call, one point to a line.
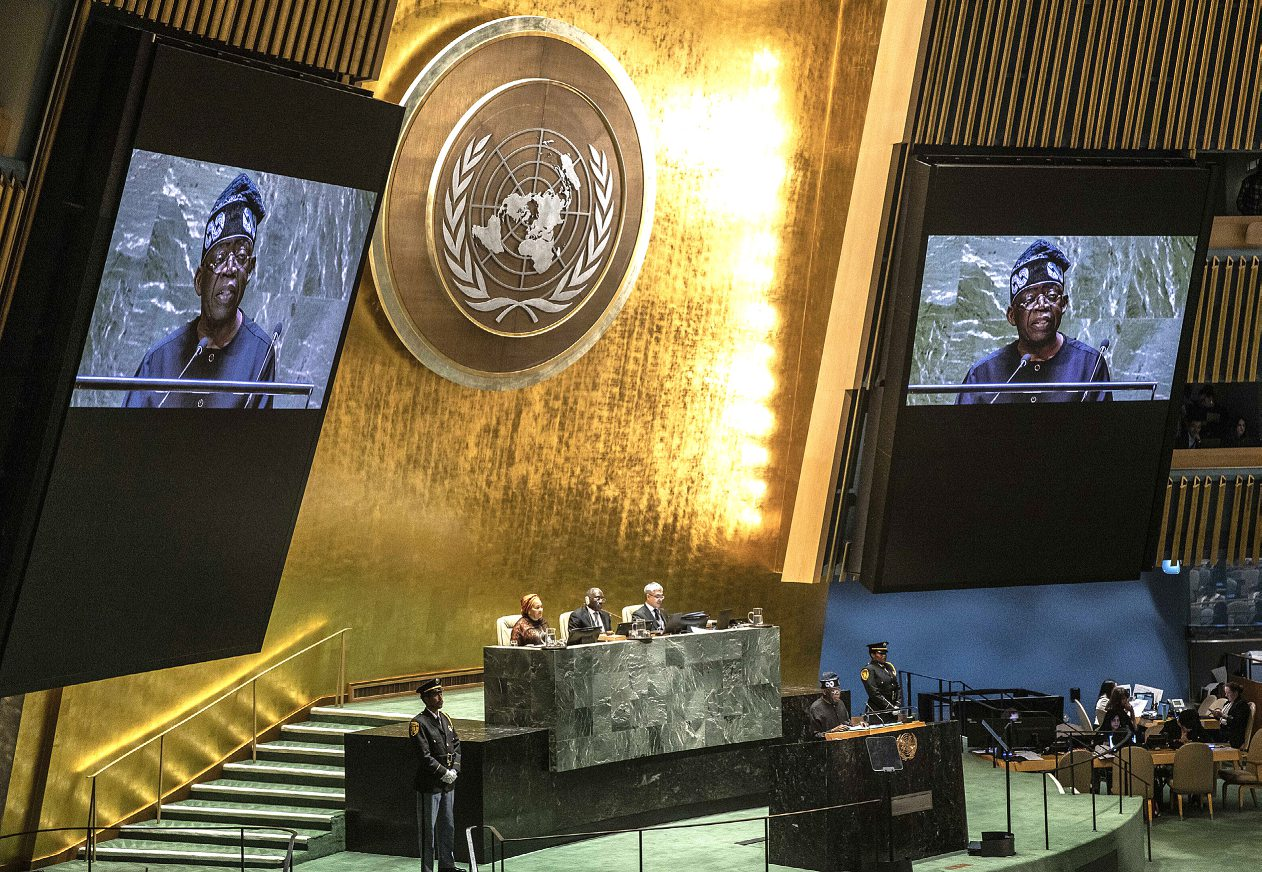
point(1025, 359)
point(1104, 346)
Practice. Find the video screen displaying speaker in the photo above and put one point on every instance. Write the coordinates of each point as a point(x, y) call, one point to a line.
point(1034, 316)
point(198, 245)
point(1035, 323)
point(205, 283)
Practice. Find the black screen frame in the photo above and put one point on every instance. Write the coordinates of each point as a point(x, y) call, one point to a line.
point(118, 495)
point(975, 192)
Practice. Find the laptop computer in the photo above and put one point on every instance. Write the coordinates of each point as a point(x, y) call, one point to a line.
point(584, 636)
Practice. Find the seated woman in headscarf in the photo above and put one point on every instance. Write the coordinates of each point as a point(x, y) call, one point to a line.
point(531, 628)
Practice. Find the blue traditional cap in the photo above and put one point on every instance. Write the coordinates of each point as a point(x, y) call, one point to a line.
point(1041, 263)
point(429, 686)
point(828, 680)
point(236, 214)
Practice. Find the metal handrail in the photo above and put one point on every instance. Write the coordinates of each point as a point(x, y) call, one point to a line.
point(496, 836)
point(252, 683)
point(90, 837)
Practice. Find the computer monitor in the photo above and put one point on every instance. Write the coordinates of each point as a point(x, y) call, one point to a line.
point(585, 636)
point(725, 619)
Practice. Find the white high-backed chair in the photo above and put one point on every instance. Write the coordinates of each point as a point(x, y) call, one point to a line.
point(627, 610)
point(504, 628)
point(563, 626)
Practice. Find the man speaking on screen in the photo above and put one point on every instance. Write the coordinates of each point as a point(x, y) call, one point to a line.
point(221, 343)
point(1040, 353)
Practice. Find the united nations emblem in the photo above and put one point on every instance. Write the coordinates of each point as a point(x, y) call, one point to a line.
point(907, 745)
point(525, 243)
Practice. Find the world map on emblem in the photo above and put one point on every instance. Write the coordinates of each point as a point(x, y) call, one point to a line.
point(528, 223)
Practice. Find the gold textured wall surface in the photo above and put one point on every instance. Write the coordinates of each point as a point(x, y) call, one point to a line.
point(669, 452)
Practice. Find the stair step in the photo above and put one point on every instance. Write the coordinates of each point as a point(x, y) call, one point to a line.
point(188, 854)
point(287, 773)
point(251, 814)
point(233, 790)
point(185, 831)
point(329, 733)
point(300, 752)
point(366, 718)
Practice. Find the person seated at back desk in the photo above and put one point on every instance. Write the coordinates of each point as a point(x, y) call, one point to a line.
point(1106, 689)
point(651, 612)
point(1119, 717)
point(1235, 715)
point(1185, 727)
point(828, 712)
point(531, 628)
point(591, 615)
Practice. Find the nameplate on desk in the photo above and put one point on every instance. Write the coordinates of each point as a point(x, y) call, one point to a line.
point(906, 803)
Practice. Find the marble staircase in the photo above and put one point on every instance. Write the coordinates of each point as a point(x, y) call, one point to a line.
point(296, 783)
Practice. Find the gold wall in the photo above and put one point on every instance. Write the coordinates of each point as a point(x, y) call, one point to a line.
point(669, 452)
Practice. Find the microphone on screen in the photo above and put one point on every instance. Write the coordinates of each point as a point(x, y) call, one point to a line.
point(1104, 346)
point(1025, 359)
point(197, 352)
point(272, 354)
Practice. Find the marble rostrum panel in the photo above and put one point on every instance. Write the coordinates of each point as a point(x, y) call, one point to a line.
point(618, 701)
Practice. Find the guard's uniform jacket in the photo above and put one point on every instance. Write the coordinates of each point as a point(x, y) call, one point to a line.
point(880, 680)
point(1075, 362)
point(437, 750)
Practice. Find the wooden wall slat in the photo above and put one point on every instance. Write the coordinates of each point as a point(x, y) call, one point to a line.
point(343, 37)
point(1177, 75)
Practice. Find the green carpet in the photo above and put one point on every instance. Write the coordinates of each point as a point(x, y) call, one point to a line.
point(1196, 844)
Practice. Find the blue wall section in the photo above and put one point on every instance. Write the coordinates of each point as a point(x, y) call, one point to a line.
point(1048, 638)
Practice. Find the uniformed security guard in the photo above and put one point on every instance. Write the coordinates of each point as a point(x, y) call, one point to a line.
point(1040, 353)
point(828, 712)
point(438, 764)
point(221, 343)
point(880, 680)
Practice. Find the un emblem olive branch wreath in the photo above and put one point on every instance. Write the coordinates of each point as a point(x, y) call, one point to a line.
point(468, 276)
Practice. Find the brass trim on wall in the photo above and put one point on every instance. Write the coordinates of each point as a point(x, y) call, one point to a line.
point(1094, 86)
point(344, 37)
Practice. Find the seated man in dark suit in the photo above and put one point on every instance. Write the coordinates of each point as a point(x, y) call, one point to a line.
point(651, 612)
point(1235, 716)
point(828, 713)
point(592, 615)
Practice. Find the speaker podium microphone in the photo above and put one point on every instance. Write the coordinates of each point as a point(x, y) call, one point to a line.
point(197, 352)
point(1104, 346)
point(1025, 359)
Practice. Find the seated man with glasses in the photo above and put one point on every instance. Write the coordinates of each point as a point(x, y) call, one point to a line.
point(651, 612)
point(1040, 353)
point(221, 343)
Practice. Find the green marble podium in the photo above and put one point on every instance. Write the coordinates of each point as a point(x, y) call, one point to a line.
point(614, 701)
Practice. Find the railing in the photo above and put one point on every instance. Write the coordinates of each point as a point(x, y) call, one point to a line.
point(1002, 749)
point(252, 683)
point(949, 689)
point(500, 857)
point(90, 839)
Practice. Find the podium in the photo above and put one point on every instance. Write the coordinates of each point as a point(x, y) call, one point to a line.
point(917, 811)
